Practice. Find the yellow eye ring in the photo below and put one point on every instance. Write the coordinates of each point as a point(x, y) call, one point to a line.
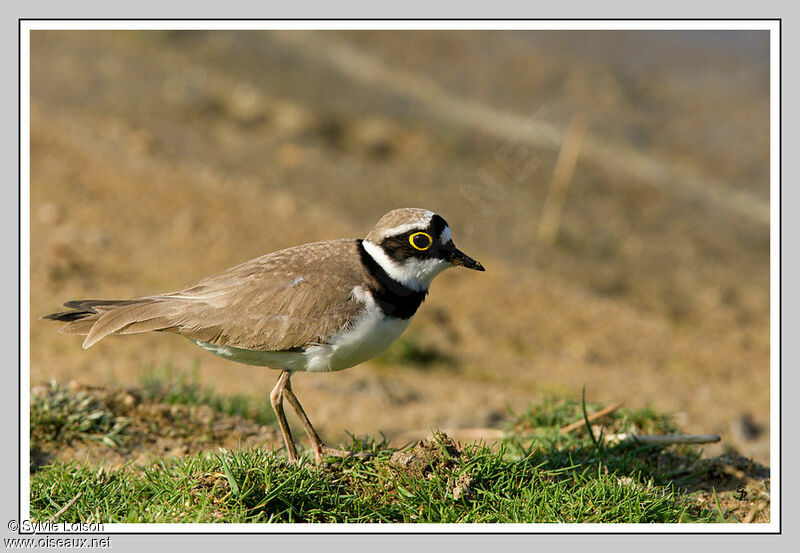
point(424, 236)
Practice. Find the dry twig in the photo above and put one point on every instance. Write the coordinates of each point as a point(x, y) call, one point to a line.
point(665, 439)
point(63, 509)
point(594, 416)
point(550, 223)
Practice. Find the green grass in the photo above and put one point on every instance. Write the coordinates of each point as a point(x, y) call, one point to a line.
point(537, 430)
point(537, 475)
point(256, 486)
point(59, 415)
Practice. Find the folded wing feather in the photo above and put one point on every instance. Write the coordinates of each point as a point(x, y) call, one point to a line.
point(281, 301)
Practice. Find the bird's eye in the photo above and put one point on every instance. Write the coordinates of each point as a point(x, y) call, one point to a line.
point(421, 241)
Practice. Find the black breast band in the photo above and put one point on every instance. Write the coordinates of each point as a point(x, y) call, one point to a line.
point(394, 298)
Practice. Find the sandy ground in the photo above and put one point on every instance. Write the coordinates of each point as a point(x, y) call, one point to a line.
point(160, 158)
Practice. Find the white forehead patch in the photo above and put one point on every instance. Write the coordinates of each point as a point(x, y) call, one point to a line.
point(421, 223)
point(445, 237)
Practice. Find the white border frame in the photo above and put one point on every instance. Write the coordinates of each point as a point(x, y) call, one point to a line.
point(668, 24)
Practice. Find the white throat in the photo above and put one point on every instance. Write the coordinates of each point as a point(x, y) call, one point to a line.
point(416, 274)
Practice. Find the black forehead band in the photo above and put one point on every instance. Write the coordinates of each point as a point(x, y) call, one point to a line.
point(438, 225)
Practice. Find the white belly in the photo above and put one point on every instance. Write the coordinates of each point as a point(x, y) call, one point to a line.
point(368, 337)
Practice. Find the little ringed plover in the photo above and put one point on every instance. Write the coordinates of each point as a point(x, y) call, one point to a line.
point(318, 307)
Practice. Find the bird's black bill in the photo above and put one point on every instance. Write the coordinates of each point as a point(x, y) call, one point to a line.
point(461, 259)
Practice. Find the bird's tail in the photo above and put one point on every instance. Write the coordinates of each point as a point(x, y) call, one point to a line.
point(97, 319)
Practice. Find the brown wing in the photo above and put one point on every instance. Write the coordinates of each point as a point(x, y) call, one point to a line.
point(281, 301)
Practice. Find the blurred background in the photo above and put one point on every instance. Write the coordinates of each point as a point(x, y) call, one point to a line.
point(614, 184)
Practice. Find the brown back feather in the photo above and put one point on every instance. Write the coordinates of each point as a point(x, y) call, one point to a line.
point(281, 301)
